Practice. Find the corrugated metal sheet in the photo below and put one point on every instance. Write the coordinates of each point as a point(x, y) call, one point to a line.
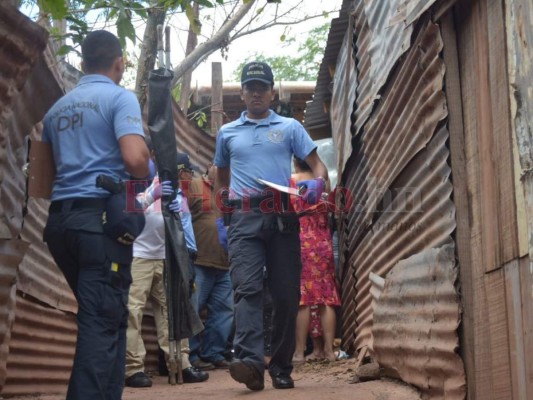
point(21, 43)
point(192, 140)
point(41, 350)
point(410, 10)
point(317, 118)
point(149, 335)
point(376, 288)
point(39, 355)
point(38, 275)
point(415, 324)
point(362, 41)
point(396, 133)
point(388, 41)
point(383, 30)
point(420, 215)
point(11, 252)
point(343, 99)
point(381, 34)
point(401, 126)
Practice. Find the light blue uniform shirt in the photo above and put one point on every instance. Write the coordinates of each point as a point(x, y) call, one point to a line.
point(261, 149)
point(84, 127)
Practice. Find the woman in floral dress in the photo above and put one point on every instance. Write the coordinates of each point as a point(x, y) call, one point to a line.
point(317, 286)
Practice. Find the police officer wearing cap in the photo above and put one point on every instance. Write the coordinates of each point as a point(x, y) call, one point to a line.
point(95, 129)
point(260, 144)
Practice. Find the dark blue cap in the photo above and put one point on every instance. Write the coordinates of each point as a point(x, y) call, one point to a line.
point(257, 71)
point(183, 162)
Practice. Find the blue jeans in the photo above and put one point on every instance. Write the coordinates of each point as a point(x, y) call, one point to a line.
point(213, 290)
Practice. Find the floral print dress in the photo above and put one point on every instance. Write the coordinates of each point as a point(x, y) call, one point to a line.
point(317, 285)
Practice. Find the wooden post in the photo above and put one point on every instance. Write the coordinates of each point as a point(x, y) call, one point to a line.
point(217, 105)
point(192, 41)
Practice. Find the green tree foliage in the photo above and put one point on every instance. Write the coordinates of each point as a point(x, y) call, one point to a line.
point(120, 12)
point(301, 67)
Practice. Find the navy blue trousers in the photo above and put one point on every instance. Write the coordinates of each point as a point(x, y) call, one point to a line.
point(79, 248)
point(255, 241)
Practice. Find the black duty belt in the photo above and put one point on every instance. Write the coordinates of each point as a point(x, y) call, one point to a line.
point(76, 204)
point(248, 203)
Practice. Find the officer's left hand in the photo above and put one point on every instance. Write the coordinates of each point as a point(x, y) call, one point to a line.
point(311, 189)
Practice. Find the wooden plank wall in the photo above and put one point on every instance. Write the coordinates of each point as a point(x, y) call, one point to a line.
point(496, 284)
point(460, 193)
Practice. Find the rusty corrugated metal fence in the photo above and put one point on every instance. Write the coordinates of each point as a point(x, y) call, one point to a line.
point(396, 176)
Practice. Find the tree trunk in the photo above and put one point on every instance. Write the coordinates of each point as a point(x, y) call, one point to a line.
point(156, 16)
point(192, 41)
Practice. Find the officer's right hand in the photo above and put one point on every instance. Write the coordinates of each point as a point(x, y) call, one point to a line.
point(311, 189)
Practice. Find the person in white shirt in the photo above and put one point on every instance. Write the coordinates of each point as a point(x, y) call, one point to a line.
point(147, 274)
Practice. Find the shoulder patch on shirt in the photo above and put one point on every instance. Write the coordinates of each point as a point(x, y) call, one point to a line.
point(133, 120)
point(275, 136)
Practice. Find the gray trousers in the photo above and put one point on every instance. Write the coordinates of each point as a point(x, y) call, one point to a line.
point(255, 240)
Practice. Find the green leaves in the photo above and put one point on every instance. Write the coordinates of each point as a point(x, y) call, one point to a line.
point(303, 65)
point(57, 8)
point(125, 28)
point(200, 118)
point(196, 25)
point(207, 3)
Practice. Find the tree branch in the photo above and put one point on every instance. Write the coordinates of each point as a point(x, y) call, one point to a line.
point(207, 48)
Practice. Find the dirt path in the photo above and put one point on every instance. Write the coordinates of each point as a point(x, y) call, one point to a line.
point(313, 382)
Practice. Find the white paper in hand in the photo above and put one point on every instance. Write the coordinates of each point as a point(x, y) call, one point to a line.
point(281, 188)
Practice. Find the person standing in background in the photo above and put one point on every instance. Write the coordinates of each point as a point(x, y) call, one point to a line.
point(260, 144)
point(213, 284)
point(318, 286)
point(148, 283)
point(95, 129)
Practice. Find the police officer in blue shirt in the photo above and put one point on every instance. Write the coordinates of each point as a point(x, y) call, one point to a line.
point(260, 144)
point(95, 129)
